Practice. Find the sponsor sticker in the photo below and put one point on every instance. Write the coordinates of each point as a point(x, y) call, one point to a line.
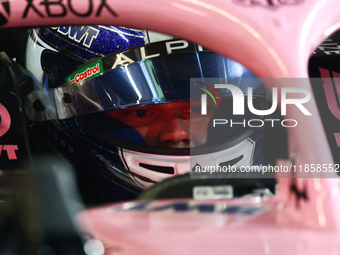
point(213, 192)
point(90, 71)
point(55, 8)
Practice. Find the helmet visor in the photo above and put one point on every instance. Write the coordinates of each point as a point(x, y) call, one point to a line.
point(148, 96)
point(131, 79)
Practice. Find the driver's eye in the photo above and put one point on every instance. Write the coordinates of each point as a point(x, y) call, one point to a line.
point(141, 113)
point(196, 109)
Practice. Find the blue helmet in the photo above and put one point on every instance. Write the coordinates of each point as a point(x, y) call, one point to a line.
point(109, 98)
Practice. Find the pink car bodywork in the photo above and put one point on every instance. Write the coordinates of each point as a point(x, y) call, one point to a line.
point(273, 41)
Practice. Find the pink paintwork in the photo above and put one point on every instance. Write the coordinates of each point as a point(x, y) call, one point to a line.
point(6, 120)
point(271, 42)
point(266, 231)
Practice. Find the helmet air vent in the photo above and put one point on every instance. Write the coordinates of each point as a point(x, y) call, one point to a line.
point(231, 162)
point(160, 169)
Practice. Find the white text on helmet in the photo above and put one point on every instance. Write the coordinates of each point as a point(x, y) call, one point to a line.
point(170, 46)
point(79, 33)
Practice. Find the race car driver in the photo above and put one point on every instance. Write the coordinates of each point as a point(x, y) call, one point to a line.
point(131, 101)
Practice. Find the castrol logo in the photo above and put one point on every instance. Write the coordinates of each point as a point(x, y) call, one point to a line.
point(90, 71)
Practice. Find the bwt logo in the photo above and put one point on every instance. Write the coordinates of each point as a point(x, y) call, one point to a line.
point(4, 12)
point(5, 123)
point(238, 99)
point(79, 33)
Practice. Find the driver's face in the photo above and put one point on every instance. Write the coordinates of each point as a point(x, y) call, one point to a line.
point(171, 125)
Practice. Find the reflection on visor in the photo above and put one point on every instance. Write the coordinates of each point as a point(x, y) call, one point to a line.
point(150, 81)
